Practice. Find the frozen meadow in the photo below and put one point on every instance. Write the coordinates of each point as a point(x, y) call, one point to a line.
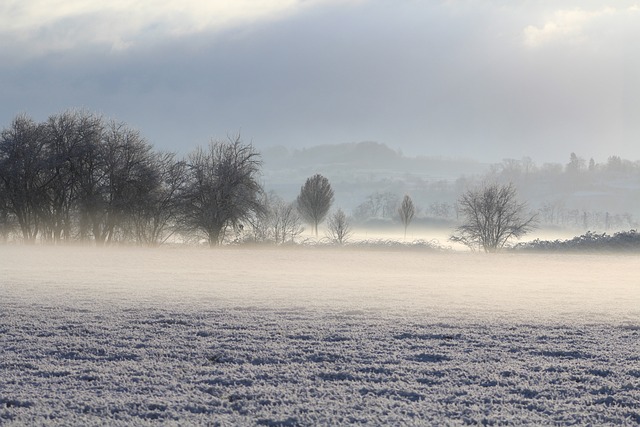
point(317, 336)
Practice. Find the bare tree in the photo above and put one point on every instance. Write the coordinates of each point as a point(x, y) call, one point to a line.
point(339, 227)
point(285, 221)
point(407, 211)
point(118, 178)
point(221, 189)
point(69, 137)
point(74, 174)
point(6, 223)
point(377, 205)
point(279, 223)
point(24, 174)
point(154, 215)
point(441, 209)
point(492, 216)
point(315, 200)
point(576, 164)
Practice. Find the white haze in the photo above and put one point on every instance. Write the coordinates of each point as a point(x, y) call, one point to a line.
point(521, 287)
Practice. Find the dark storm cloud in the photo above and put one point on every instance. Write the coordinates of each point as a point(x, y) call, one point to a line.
point(480, 80)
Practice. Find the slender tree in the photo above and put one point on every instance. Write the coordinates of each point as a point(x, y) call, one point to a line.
point(406, 211)
point(492, 216)
point(315, 200)
point(339, 227)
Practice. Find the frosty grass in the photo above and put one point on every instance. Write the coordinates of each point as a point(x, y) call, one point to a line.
point(100, 352)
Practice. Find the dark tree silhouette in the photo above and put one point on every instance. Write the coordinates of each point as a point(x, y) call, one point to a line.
point(406, 211)
point(155, 212)
point(339, 227)
point(70, 137)
point(24, 174)
point(74, 174)
point(315, 200)
point(5, 216)
point(118, 178)
point(221, 188)
point(492, 216)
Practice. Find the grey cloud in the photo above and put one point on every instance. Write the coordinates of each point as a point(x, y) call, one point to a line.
point(424, 77)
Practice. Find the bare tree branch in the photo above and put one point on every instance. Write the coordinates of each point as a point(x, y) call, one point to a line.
point(492, 216)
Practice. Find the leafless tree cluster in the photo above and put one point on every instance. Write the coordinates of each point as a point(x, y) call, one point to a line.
point(491, 217)
point(566, 189)
point(285, 221)
point(555, 213)
point(279, 223)
point(442, 210)
point(579, 193)
point(79, 177)
point(381, 205)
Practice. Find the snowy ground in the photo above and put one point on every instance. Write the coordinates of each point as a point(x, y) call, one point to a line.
point(317, 337)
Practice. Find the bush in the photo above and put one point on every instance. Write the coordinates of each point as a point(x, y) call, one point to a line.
point(620, 241)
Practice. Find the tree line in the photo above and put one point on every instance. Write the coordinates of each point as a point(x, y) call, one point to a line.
point(80, 177)
point(580, 194)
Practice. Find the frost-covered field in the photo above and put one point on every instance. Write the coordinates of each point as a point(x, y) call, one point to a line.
point(317, 337)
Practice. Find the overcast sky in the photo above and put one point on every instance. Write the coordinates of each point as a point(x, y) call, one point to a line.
point(480, 79)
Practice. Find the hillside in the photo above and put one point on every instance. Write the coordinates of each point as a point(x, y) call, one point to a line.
point(359, 169)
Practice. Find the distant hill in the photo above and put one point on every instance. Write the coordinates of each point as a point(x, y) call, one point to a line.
point(358, 169)
point(367, 156)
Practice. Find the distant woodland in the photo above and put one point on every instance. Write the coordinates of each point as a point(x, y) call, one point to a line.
point(78, 177)
point(370, 180)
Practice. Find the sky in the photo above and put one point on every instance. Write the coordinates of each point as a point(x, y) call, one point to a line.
point(480, 79)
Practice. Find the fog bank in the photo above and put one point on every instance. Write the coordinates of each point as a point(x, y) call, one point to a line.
point(524, 287)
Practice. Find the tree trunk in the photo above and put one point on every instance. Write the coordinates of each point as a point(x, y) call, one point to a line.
point(214, 237)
